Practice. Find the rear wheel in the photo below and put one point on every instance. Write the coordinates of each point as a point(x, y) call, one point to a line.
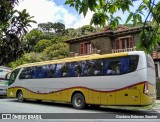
point(20, 96)
point(78, 101)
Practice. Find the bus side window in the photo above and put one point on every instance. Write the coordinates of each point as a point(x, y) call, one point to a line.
point(39, 72)
point(113, 67)
point(64, 70)
point(84, 68)
point(27, 73)
point(50, 70)
point(98, 67)
point(73, 69)
point(57, 70)
point(124, 67)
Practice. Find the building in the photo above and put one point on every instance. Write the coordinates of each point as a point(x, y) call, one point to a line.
point(120, 40)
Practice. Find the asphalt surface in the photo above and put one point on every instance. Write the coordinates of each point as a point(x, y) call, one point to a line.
point(50, 111)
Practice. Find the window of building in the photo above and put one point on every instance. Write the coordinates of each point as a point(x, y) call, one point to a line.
point(123, 42)
point(85, 48)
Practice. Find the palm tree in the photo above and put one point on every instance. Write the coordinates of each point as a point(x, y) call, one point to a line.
point(13, 24)
point(21, 22)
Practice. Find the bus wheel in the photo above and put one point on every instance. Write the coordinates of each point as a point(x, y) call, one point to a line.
point(20, 96)
point(78, 101)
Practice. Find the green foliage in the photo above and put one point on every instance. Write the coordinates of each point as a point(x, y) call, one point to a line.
point(59, 50)
point(28, 58)
point(158, 88)
point(59, 28)
point(13, 26)
point(147, 41)
point(42, 44)
point(71, 32)
point(33, 37)
point(45, 27)
point(99, 18)
point(57, 39)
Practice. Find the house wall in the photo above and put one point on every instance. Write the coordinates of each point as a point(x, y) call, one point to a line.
point(103, 44)
point(74, 47)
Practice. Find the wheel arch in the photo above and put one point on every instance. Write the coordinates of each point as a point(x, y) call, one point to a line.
point(19, 90)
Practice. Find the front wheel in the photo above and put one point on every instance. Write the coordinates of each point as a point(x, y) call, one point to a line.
point(20, 96)
point(78, 101)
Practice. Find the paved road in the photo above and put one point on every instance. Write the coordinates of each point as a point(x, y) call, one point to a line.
point(13, 106)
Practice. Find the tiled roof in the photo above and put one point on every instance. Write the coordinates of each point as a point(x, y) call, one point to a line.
point(106, 33)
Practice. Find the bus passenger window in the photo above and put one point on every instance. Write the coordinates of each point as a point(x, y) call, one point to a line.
point(39, 72)
point(73, 69)
point(64, 70)
point(50, 70)
point(124, 65)
point(27, 73)
point(113, 67)
point(58, 70)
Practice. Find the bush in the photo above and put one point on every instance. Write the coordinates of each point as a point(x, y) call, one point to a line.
point(158, 88)
point(42, 44)
point(56, 51)
point(28, 58)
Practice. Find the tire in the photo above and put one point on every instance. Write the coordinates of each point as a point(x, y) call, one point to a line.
point(20, 96)
point(78, 101)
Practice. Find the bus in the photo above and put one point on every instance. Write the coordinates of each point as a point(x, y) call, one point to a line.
point(118, 79)
point(3, 82)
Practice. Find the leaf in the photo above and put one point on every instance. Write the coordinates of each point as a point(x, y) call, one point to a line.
point(69, 1)
point(141, 7)
point(76, 7)
point(139, 18)
point(129, 17)
point(91, 4)
point(83, 10)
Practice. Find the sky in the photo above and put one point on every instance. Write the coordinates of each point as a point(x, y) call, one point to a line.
point(56, 11)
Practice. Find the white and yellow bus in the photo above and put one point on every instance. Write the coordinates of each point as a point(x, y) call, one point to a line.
point(126, 78)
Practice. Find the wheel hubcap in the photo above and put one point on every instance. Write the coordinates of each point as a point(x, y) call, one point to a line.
point(78, 102)
point(20, 96)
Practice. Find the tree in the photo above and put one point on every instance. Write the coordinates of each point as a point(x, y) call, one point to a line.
point(33, 37)
point(87, 29)
point(59, 28)
point(46, 27)
point(13, 25)
point(42, 44)
point(20, 23)
point(56, 51)
point(71, 32)
point(28, 58)
point(105, 12)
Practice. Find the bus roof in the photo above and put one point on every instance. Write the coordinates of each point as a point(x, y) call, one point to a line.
point(73, 59)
